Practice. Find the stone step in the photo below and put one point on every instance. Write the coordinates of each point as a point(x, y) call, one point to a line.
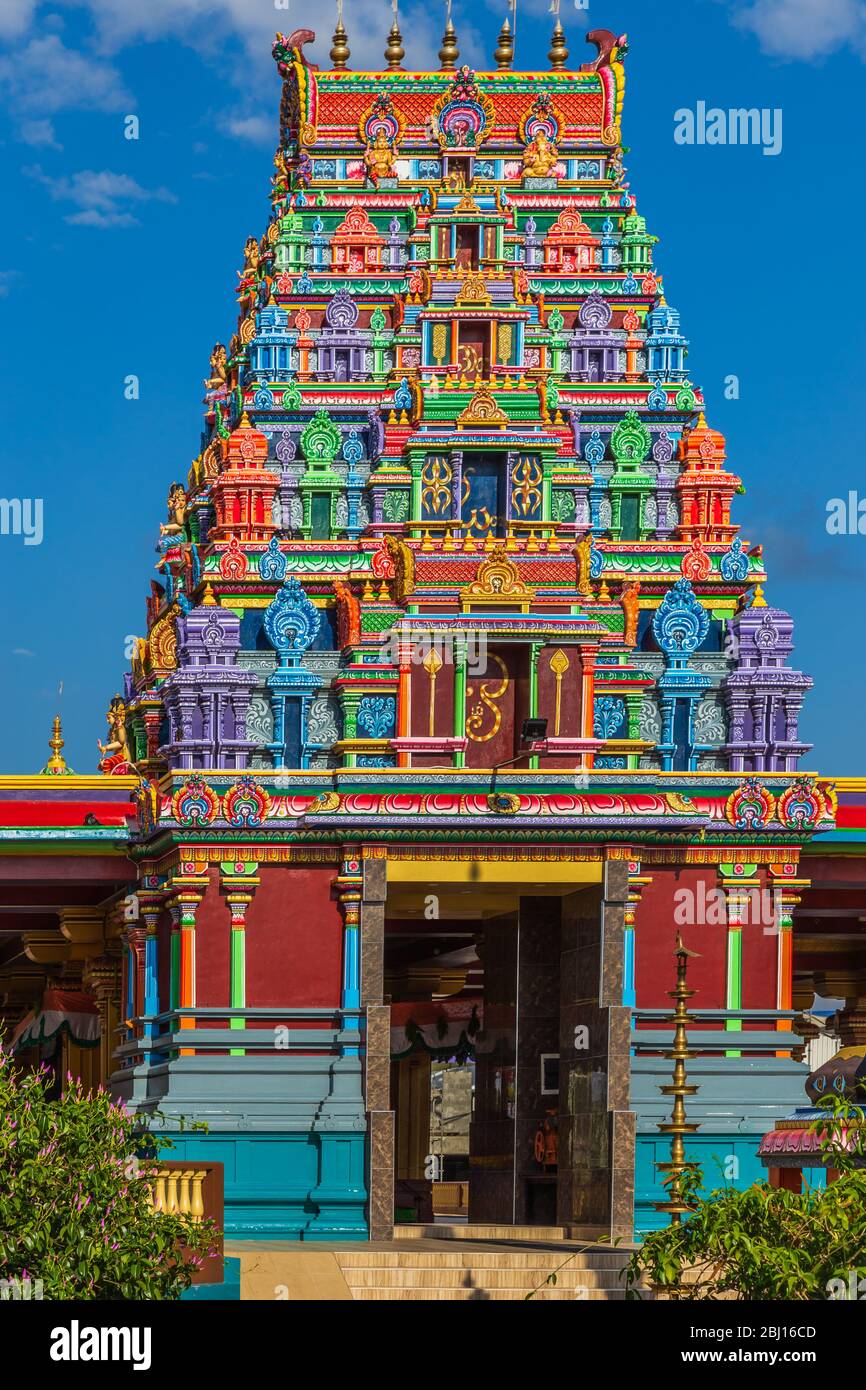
point(508, 1278)
point(481, 1259)
point(441, 1230)
point(493, 1295)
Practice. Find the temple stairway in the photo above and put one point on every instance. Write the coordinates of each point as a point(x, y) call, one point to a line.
point(490, 1264)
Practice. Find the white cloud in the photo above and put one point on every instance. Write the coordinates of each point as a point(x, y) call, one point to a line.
point(100, 197)
point(39, 133)
point(7, 280)
point(261, 130)
point(15, 17)
point(205, 24)
point(44, 76)
point(41, 76)
point(805, 29)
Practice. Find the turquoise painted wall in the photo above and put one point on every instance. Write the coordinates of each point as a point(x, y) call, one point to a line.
point(286, 1186)
point(717, 1154)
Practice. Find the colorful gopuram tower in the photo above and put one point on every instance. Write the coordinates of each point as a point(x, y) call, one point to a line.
point(458, 674)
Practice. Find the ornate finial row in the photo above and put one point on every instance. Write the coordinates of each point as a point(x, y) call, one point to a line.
point(449, 53)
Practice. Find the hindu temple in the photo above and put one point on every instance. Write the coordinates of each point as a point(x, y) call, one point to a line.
point(459, 693)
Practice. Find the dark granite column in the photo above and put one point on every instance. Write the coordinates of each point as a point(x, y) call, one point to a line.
point(538, 966)
point(596, 1126)
point(377, 1085)
point(491, 1132)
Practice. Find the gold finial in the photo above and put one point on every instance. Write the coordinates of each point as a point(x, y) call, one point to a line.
point(449, 52)
point(395, 52)
point(558, 55)
point(504, 53)
point(676, 1206)
point(56, 763)
point(339, 54)
point(759, 601)
point(209, 601)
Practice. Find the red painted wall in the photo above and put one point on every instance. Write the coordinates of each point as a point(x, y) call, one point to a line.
point(760, 951)
point(655, 937)
point(294, 938)
point(212, 945)
point(656, 924)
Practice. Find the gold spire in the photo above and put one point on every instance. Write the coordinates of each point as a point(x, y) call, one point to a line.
point(395, 52)
point(759, 601)
point(504, 54)
point(558, 54)
point(56, 763)
point(339, 54)
point(449, 52)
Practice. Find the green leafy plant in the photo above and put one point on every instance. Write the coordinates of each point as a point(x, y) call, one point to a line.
point(767, 1242)
point(75, 1198)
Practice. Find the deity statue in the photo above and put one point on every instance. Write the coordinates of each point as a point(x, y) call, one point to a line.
point(379, 158)
point(248, 277)
point(280, 180)
point(115, 753)
point(583, 554)
point(404, 567)
point(348, 615)
point(539, 157)
point(629, 602)
point(217, 383)
point(177, 501)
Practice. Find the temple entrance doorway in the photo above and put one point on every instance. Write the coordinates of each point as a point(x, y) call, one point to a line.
point(472, 968)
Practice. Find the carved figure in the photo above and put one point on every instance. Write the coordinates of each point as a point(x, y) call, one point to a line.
point(348, 615)
point(540, 156)
point(583, 554)
point(629, 602)
point(115, 753)
point(379, 158)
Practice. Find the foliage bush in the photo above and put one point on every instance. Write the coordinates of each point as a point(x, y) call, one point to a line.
point(75, 1198)
point(766, 1242)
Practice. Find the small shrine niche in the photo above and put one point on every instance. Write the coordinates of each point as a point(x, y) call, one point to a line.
point(340, 342)
point(569, 246)
point(594, 345)
point(356, 246)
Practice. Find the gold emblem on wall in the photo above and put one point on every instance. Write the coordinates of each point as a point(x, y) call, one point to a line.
point(473, 290)
point(559, 664)
point(440, 343)
point(504, 339)
point(436, 478)
point(483, 412)
point(484, 718)
point(497, 581)
point(526, 487)
point(432, 664)
point(163, 642)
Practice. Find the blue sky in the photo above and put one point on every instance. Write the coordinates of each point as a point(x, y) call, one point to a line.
point(118, 257)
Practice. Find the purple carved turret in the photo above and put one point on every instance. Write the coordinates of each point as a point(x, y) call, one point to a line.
point(208, 695)
point(763, 695)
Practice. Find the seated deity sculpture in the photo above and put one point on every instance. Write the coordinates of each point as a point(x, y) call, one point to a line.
point(379, 158)
point(540, 156)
